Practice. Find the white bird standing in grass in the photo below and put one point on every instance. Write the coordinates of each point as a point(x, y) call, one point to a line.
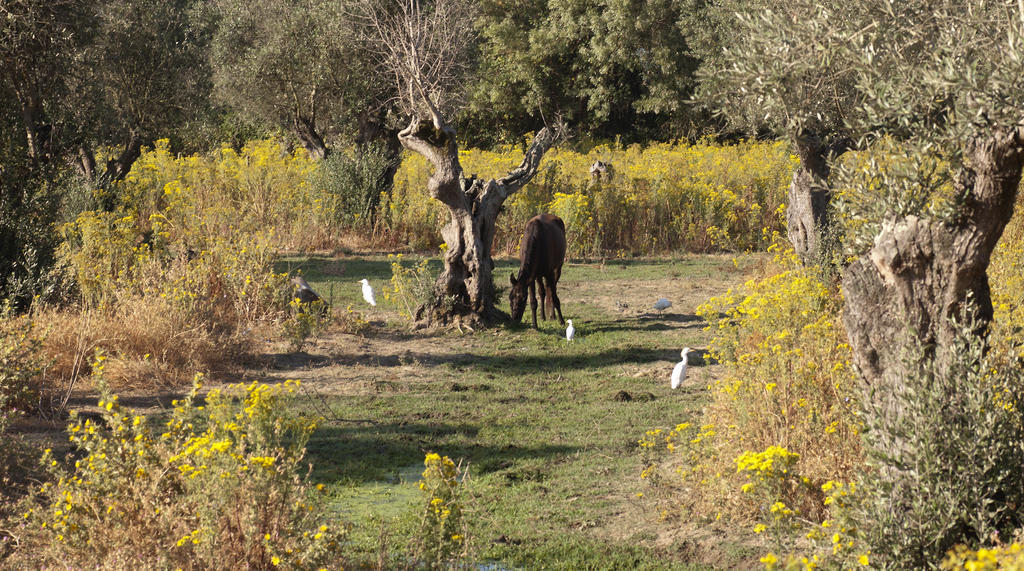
point(679, 372)
point(570, 331)
point(368, 292)
point(662, 304)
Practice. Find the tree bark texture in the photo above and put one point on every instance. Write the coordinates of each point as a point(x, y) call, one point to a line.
point(464, 290)
point(920, 273)
point(807, 215)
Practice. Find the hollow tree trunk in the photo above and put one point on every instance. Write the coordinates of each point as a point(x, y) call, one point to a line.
point(464, 290)
point(808, 220)
point(920, 273)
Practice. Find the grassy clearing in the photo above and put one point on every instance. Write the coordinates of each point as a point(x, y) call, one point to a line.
point(549, 429)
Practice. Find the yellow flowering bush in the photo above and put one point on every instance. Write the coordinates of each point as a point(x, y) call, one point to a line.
point(260, 188)
point(783, 417)
point(788, 380)
point(664, 197)
point(190, 248)
point(1006, 276)
point(305, 320)
point(409, 287)
point(21, 365)
point(216, 485)
point(21, 370)
point(442, 535)
point(1006, 557)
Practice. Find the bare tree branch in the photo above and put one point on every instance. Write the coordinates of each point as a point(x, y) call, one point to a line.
point(424, 46)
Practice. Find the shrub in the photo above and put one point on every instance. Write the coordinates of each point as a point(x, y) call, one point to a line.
point(410, 287)
point(21, 365)
point(181, 303)
point(1007, 557)
point(788, 380)
point(215, 486)
point(21, 368)
point(305, 320)
point(442, 535)
point(30, 199)
point(350, 185)
point(944, 446)
point(783, 418)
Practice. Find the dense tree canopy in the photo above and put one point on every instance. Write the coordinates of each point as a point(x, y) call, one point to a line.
point(610, 68)
point(297, 66)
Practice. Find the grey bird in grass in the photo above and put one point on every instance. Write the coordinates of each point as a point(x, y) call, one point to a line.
point(662, 304)
point(303, 292)
point(368, 292)
point(679, 372)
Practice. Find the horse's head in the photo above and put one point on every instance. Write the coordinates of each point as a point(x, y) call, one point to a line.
point(517, 298)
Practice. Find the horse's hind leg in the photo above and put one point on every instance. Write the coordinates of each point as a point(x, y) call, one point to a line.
point(550, 304)
point(553, 284)
point(544, 300)
point(533, 302)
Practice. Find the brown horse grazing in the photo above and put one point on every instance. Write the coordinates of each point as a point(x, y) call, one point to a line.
point(540, 260)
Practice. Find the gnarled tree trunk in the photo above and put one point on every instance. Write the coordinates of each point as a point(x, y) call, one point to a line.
point(464, 290)
point(305, 129)
point(808, 221)
point(920, 273)
point(118, 167)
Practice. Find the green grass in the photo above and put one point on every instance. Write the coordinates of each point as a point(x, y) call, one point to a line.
point(552, 454)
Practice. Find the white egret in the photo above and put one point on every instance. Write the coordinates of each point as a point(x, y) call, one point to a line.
point(662, 304)
point(679, 372)
point(368, 292)
point(570, 331)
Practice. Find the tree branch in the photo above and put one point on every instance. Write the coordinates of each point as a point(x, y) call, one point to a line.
point(516, 178)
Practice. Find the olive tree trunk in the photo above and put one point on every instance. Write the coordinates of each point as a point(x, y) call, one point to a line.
point(117, 168)
point(920, 273)
point(808, 215)
point(305, 130)
point(464, 291)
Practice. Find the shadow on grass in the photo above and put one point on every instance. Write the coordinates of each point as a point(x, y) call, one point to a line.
point(517, 365)
point(535, 361)
point(365, 453)
point(540, 363)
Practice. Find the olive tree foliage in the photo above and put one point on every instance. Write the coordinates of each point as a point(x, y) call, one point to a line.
point(296, 65)
point(610, 68)
point(77, 75)
point(423, 48)
point(787, 74)
point(936, 84)
point(941, 79)
point(143, 74)
point(39, 42)
point(101, 72)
